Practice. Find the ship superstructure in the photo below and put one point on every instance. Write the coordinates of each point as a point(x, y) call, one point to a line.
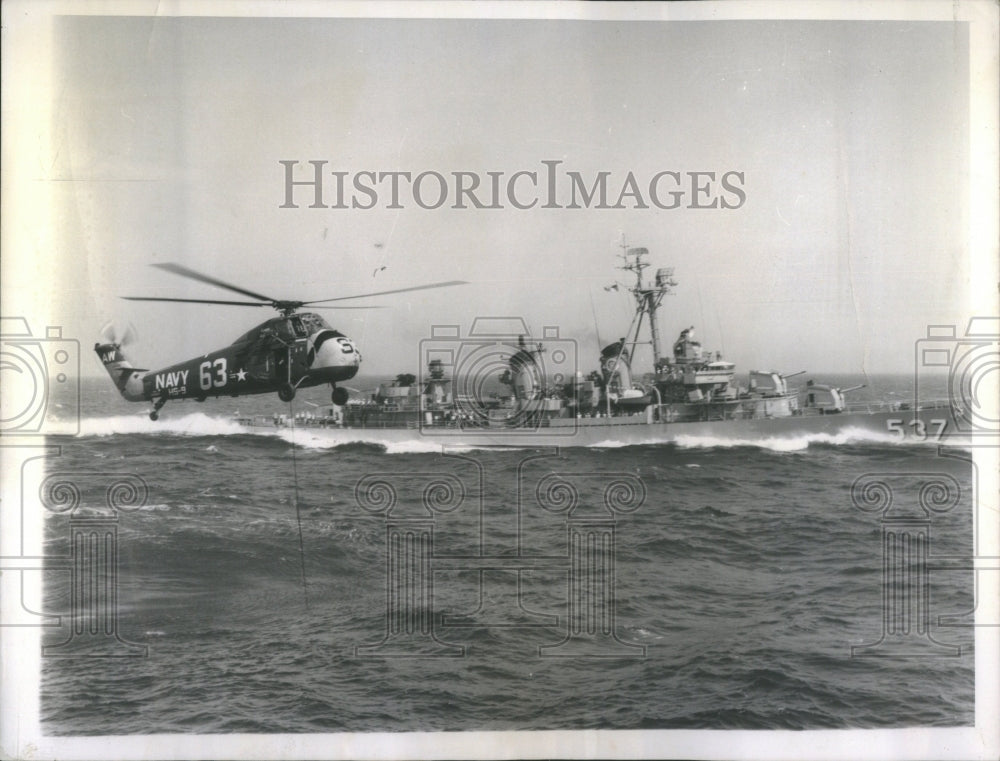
point(688, 383)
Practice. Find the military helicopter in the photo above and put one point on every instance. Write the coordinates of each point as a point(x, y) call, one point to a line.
point(295, 350)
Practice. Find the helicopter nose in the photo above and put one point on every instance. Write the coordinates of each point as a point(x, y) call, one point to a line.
point(335, 350)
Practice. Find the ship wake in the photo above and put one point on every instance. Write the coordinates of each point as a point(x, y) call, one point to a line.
point(197, 424)
point(789, 443)
point(202, 425)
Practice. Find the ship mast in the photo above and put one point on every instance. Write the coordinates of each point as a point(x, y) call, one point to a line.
point(647, 298)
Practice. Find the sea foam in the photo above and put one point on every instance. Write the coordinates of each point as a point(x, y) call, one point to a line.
point(200, 424)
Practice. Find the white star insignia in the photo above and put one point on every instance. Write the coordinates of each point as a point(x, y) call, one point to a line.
point(241, 374)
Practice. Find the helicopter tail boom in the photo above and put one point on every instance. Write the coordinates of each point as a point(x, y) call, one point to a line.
point(127, 379)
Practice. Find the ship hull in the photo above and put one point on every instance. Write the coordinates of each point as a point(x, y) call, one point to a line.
point(933, 425)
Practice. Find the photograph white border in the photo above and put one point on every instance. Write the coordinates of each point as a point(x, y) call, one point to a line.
point(27, 57)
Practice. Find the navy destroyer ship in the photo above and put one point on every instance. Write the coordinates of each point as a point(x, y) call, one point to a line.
point(496, 386)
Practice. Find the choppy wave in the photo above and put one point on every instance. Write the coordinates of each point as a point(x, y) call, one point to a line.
point(193, 424)
point(199, 424)
point(309, 439)
point(791, 443)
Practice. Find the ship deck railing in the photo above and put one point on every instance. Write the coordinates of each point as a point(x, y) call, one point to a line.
point(872, 407)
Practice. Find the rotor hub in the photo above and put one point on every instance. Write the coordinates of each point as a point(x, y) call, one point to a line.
point(287, 308)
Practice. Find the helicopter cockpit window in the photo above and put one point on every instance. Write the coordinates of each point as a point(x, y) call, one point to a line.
point(313, 323)
point(298, 329)
point(281, 329)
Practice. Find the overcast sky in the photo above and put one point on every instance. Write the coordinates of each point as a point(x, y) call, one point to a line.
point(851, 138)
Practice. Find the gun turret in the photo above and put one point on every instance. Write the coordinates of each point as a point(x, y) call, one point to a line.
point(827, 399)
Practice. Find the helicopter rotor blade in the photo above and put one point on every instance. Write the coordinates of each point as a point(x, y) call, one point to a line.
point(285, 307)
point(309, 304)
point(179, 269)
point(200, 301)
point(384, 293)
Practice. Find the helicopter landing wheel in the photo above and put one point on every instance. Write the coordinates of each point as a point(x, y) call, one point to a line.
point(286, 392)
point(200, 399)
point(339, 396)
point(157, 405)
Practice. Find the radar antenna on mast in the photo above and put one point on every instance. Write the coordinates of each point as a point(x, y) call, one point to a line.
point(647, 297)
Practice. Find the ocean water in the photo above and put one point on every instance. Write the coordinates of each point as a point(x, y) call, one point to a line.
point(279, 585)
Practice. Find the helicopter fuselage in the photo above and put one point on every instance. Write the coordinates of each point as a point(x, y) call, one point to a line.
point(283, 353)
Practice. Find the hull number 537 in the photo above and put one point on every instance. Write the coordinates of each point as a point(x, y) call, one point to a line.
point(922, 431)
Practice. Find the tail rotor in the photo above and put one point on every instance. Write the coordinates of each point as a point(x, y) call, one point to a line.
point(120, 334)
point(127, 378)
